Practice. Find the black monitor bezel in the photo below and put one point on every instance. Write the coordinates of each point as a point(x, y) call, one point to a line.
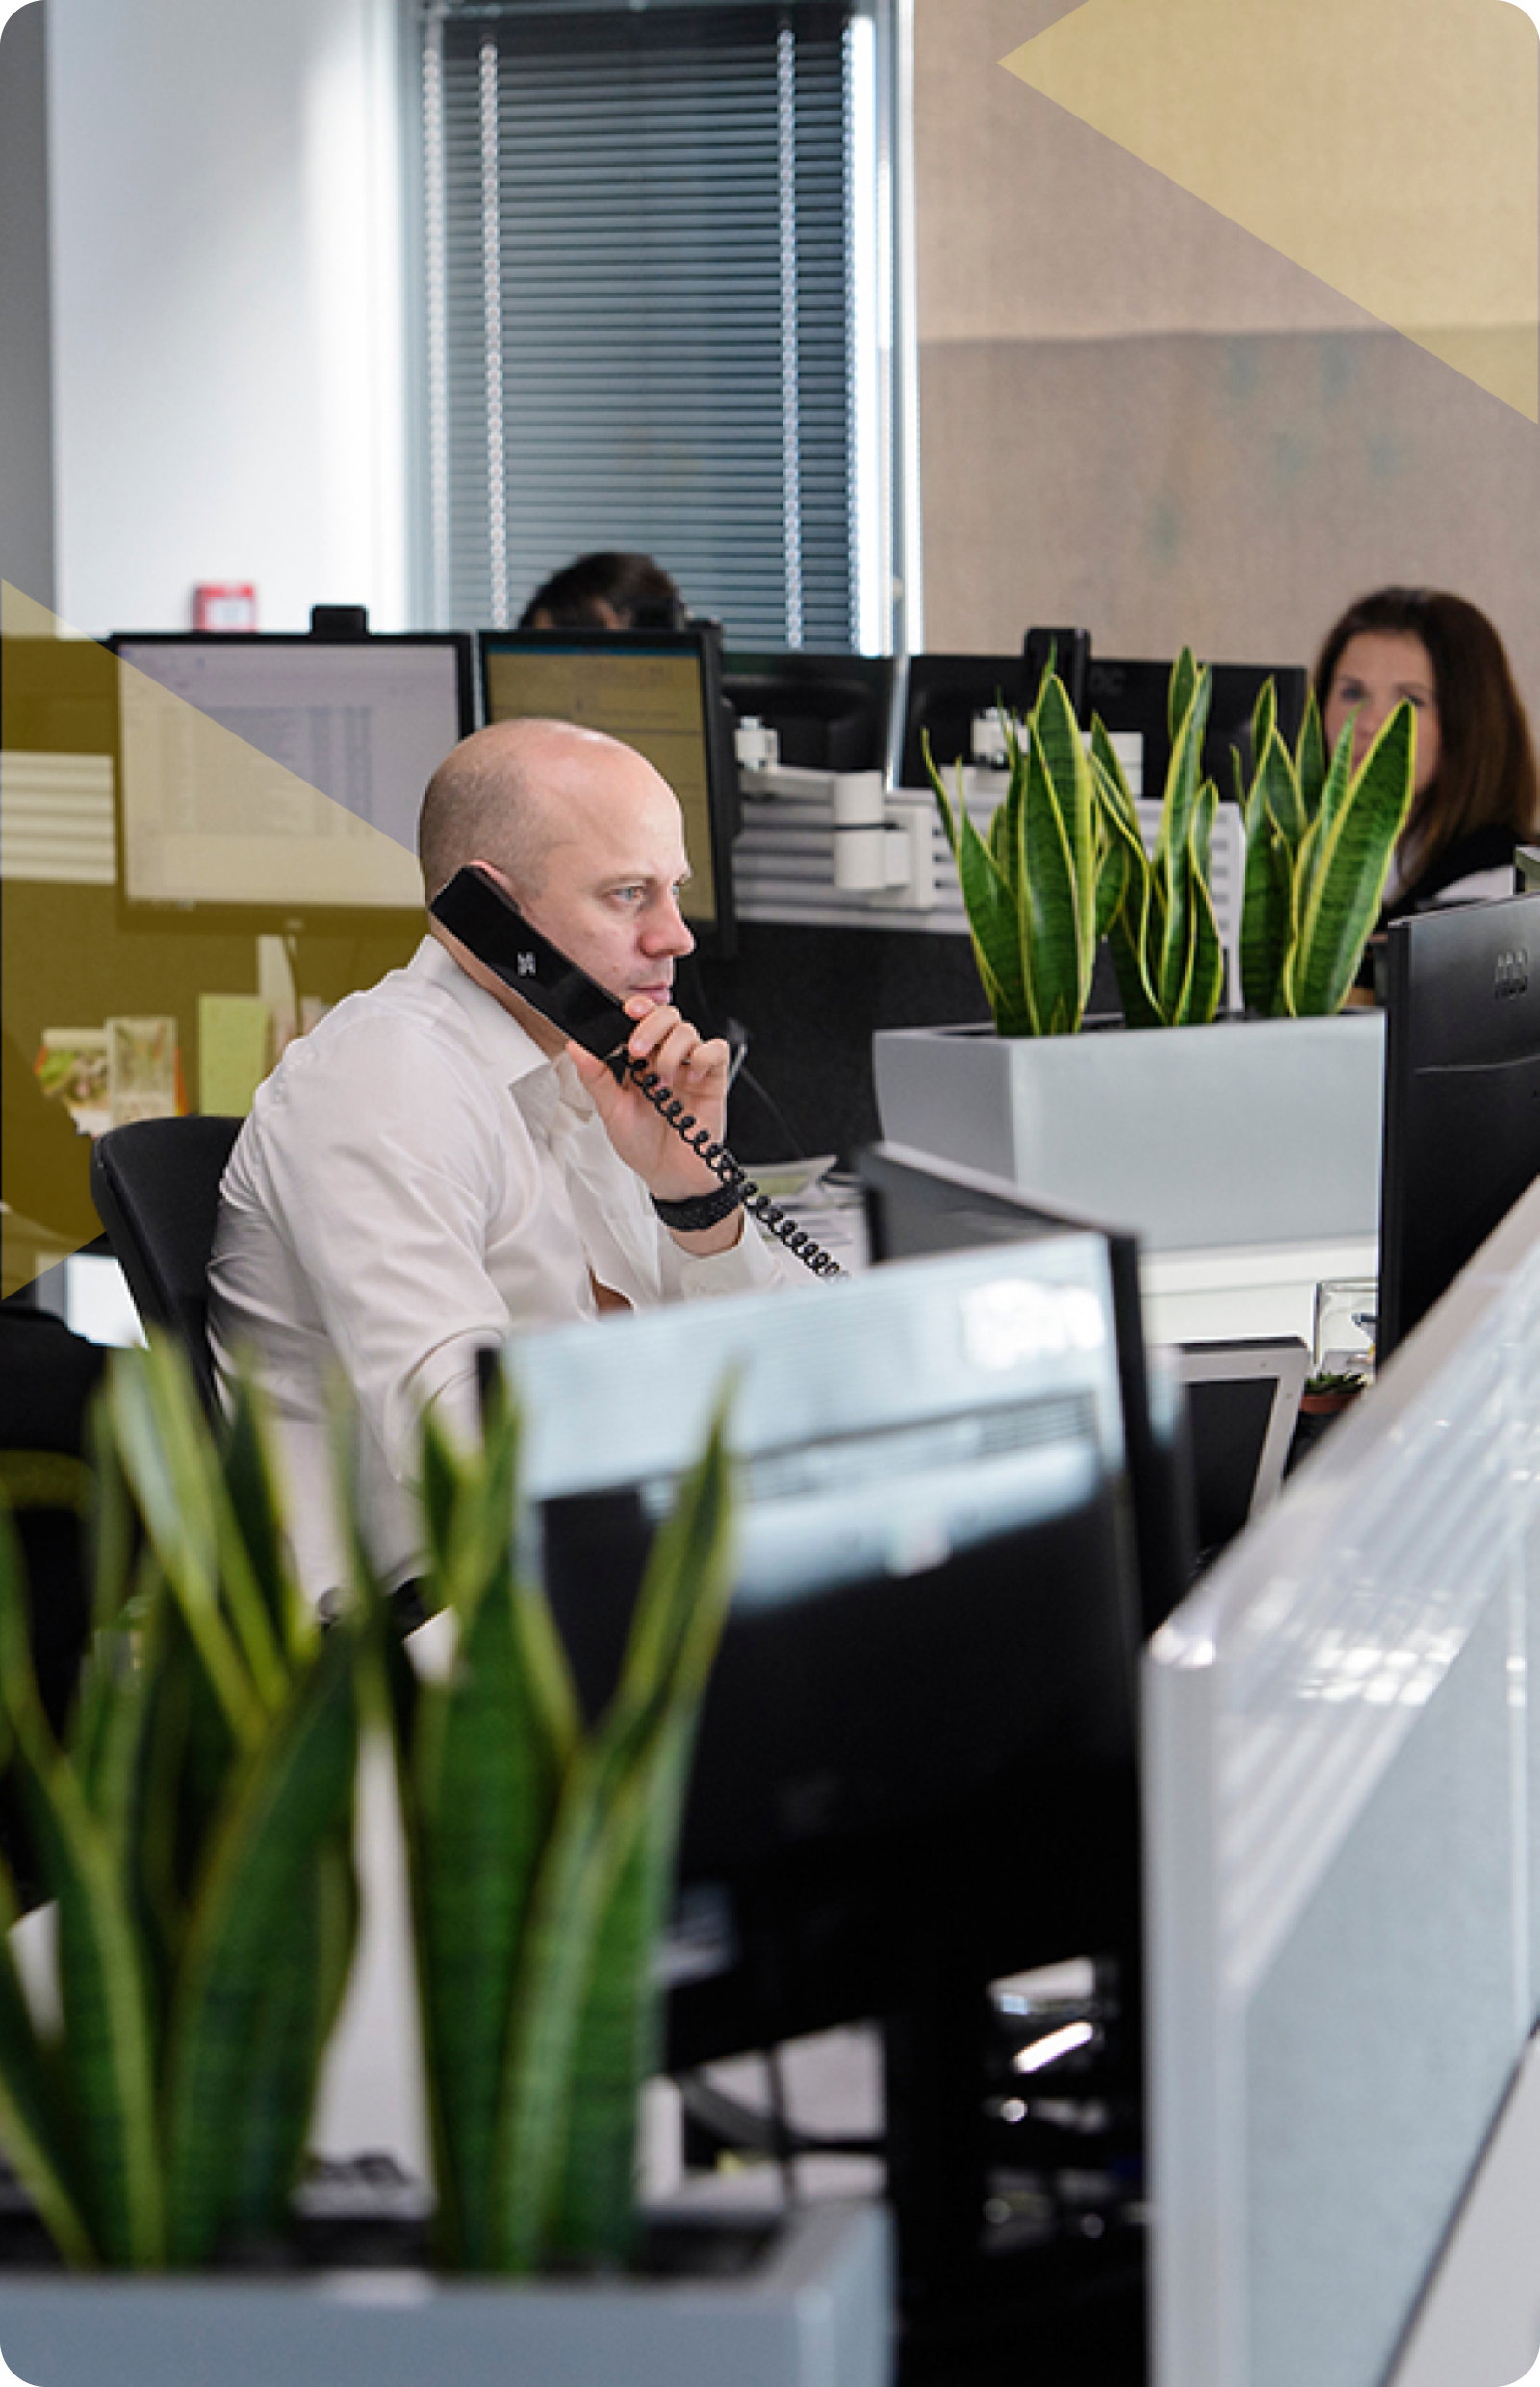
point(1455, 979)
point(789, 669)
point(702, 639)
point(1165, 1500)
point(300, 918)
point(1292, 681)
point(995, 674)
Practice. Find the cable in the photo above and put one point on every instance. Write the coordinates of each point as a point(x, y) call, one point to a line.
point(721, 1162)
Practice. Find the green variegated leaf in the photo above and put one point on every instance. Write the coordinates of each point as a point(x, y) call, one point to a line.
point(1277, 788)
point(253, 1944)
point(174, 1477)
point(575, 2030)
point(1266, 913)
point(1204, 981)
point(1200, 835)
point(1111, 881)
point(34, 2125)
point(1049, 921)
point(1111, 780)
point(1352, 853)
point(1183, 776)
point(1310, 757)
point(992, 909)
point(1334, 790)
point(1180, 692)
point(1263, 719)
point(1056, 736)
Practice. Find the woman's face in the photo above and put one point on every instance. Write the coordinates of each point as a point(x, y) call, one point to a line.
point(1374, 672)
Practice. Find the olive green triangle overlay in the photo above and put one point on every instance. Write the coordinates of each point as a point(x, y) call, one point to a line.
point(245, 790)
point(1390, 147)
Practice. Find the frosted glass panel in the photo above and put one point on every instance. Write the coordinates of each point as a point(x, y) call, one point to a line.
point(1344, 1790)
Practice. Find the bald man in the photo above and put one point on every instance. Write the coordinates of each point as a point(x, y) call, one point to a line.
point(435, 1167)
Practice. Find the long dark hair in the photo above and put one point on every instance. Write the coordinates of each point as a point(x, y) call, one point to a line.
point(1486, 768)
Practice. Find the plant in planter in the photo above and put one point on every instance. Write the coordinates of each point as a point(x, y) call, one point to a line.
point(1319, 848)
point(1031, 887)
point(196, 1827)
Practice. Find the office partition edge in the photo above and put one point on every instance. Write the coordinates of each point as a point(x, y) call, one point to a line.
point(1278, 1702)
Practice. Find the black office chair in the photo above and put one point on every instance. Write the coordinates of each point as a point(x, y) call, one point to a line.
point(156, 1186)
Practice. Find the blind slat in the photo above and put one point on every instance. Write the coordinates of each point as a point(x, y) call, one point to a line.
point(670, 278)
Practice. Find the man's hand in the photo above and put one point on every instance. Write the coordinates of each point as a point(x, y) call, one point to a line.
point(697, 1071)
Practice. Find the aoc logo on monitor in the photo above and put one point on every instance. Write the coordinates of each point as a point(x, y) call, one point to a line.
point(1511, 975)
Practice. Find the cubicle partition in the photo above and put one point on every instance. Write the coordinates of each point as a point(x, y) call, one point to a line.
point(1343, 1759)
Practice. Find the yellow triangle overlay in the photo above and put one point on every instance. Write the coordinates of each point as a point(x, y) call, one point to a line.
point(67, 694)
point(1390, 147)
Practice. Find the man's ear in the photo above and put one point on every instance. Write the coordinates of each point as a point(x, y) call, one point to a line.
point(478, 862)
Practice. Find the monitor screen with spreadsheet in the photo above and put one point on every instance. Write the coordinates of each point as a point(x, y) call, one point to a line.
point(281, 773)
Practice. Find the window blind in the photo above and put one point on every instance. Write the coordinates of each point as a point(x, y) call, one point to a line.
point(639, 262)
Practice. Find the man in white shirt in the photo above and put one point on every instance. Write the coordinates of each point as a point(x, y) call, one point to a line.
point(434, 1166)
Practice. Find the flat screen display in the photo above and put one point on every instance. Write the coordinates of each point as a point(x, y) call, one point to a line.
point(659, 691)
point(282, 772)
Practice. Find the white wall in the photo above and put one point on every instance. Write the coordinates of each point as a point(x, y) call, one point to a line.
point(228, 337)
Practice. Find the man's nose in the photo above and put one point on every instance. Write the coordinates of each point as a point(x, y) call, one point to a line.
point(666, 932)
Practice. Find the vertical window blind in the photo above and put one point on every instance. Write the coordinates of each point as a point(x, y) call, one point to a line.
point(639, 261)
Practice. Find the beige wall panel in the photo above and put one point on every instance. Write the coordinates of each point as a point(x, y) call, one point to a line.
point(1235, 492)
point(1031, 225)
point(1139, 417)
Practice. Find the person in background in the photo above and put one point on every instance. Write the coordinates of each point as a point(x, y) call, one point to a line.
point(610, 590)
point(1475, 793)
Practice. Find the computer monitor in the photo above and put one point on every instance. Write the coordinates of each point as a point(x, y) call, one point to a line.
point(281, 773)
point(1132, 701)
point(659, 691)
point(941, 694)
point(1242, 1405)
point(917, 1205)
point(933, 1632)
point(830, 712)
point(1462, 1094)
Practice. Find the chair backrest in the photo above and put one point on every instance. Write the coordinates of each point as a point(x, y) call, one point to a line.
point(156, 1185)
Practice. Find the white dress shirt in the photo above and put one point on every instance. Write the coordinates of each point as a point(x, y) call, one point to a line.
point(417, 1180)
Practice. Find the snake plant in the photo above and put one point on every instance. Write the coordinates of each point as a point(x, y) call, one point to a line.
point(1064, 863)
point(541, 1854)
point(1319, 847)
point(195, 1827)
point(1030, 887)
point(1156, 910)
point(195, 1824)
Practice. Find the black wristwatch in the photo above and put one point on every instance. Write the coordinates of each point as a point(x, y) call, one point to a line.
point(692, 1217)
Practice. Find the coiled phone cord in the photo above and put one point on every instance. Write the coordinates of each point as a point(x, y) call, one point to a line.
point(720, 1161)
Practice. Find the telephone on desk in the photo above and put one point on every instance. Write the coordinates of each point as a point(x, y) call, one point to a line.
point(473, 907)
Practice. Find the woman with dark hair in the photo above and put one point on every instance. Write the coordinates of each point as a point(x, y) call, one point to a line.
point(1475, 795)
point(610, 590)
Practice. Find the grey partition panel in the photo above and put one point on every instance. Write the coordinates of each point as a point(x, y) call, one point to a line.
point(1344, 1809)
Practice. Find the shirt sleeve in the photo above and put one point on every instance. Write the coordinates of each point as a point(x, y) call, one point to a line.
point(756, 1262)
point(381, 1170)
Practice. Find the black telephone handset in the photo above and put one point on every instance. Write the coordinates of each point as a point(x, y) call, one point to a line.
point(473, 907)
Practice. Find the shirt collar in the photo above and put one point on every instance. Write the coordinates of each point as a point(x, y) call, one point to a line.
point(511, 1050)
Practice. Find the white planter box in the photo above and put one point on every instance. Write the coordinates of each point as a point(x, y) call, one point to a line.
point(1248, 1132)
point(816, 2312)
